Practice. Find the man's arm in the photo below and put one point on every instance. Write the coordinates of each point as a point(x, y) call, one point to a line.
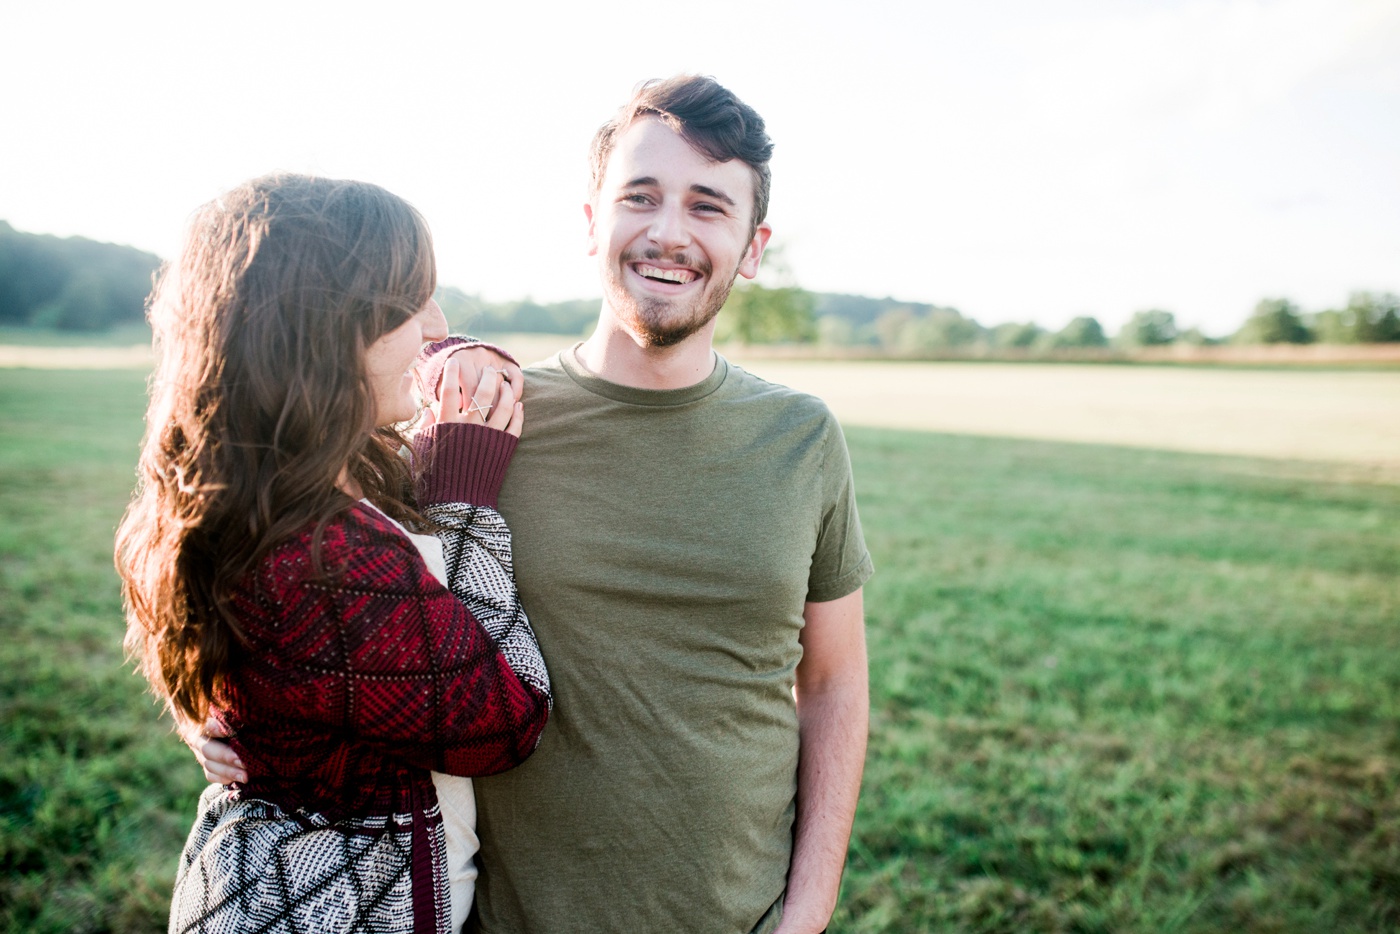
point(833, 716)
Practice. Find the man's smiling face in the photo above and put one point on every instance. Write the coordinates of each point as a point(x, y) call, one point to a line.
point(671, 230)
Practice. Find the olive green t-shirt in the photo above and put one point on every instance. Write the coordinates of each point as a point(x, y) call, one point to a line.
point(665, 544)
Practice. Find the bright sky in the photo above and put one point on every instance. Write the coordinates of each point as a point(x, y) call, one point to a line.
point(1016, 159)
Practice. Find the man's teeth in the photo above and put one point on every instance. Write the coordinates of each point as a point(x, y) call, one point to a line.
point(666, 275)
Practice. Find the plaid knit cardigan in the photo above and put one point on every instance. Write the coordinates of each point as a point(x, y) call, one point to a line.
point(352, 688)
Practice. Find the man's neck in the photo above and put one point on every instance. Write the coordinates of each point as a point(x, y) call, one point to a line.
point(616, 356)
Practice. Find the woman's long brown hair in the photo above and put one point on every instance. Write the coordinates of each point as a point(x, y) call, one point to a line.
point(259, 407)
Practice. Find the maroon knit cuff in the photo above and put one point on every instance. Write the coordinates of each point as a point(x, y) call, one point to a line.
point(433, 358)
point(461, 463)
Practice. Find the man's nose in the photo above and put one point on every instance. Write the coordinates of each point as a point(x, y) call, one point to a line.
point(668, 227)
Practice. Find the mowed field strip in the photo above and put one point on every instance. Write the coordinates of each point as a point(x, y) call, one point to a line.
point(1333, 416)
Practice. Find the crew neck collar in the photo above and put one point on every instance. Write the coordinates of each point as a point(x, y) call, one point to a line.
point(632, 395)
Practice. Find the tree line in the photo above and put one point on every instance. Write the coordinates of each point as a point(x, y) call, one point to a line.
point(71, 283)
point(847, 320)
point(77, 284)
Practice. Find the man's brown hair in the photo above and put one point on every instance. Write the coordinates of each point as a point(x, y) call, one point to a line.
point(707, 116)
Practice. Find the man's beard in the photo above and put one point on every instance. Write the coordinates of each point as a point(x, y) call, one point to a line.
point(662, 322)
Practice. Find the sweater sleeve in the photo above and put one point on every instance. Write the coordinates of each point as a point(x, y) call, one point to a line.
point(458, 462)
point(463, 469)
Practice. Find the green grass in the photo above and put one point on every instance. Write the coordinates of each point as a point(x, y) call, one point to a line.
point(1114, 690)
point(95, 794)
point(120, 335)
point(1120, 690)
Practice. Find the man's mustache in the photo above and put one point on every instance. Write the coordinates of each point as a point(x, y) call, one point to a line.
point(653, 255)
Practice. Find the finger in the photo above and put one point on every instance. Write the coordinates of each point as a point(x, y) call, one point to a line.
point(484, 398)
point(221, 763)
point(218, 751)
point(221, 774)
point(504, 409)
point(517, 381)
point(218, 759)
point(484, 356)
point(517, 419)
point(450, 391)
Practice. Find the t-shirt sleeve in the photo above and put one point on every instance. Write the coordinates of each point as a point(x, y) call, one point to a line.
point(841, 564)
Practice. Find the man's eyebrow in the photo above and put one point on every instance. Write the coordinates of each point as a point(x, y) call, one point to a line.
point(713, 193)
point(645, 181)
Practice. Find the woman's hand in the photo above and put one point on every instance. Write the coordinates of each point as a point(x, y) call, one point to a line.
point(481, 356)
point(488, 396)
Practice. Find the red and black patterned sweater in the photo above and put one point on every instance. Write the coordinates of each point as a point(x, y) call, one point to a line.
point(352, 687)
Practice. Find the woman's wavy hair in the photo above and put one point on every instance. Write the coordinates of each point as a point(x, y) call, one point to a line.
point(260, 408)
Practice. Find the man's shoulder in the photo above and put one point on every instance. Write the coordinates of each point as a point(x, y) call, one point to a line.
point(745, 387)
point(554, 363)
point(547, 375)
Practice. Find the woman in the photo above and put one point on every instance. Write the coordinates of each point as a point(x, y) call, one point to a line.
point(271, 583)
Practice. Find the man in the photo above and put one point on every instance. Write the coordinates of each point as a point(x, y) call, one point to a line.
point(688, 549)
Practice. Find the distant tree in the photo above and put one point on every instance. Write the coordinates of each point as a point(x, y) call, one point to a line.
point(1194, 337)
point(862, 311)
point(1368, 318)
point(1377, 316)
point(530, 317)
point(906, 330)
point(769, 310)
point(471, 314)
point(1150, 328)
point(72, 283)
point(1333, 327)
point(460, 309)
point(576, 316)
point(85, 304)
point(1083, 331)
point(943, 328)
point(835, 332)
point(1274, 321)
point(33, 272)
point(1016, 335)
point(891, 326)
point(758, 314)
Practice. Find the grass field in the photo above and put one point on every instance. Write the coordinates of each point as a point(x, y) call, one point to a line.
point(1114, 689)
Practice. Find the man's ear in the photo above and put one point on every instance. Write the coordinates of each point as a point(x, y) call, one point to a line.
point(592, 239)
point(748, 267)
